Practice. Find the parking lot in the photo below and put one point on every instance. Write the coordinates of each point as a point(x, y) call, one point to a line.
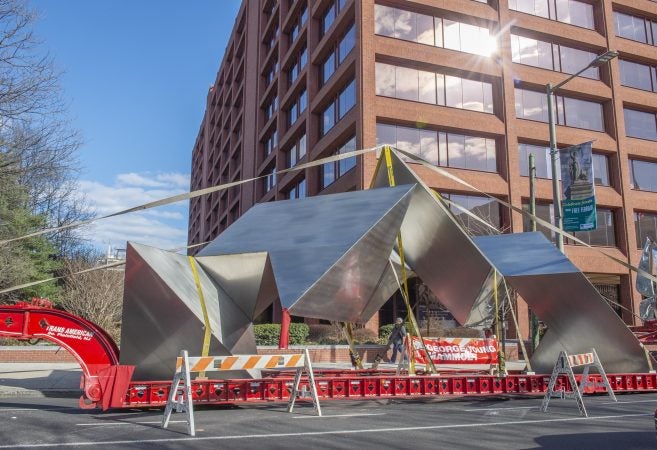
point(461, 423)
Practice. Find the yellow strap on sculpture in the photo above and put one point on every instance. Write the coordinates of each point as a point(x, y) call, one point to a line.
point(205, 351)
point(413, 328)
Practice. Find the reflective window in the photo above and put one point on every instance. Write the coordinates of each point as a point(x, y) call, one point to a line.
point(299, 23)
point(297, 107)
point(435, 88)
point(344, 46)
point(637, 75)
point(643, 175)
point(270, 181)
point(645, 225)
point(430, 30)
point(544, 164)
point(298, 190)
point(605, 233)
point(271, 108)
point(640, 124)
point(635, 28)
point(339, 107)
point(571, 112)
point(330, 14)
point(297, 66)
point(483, 207)
point(296, 152)
point(271, 141)
point(603, 236)
point(441, 148)
point(334, 170)
point(567, 11)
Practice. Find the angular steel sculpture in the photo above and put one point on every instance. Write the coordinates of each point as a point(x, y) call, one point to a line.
point(328, 257)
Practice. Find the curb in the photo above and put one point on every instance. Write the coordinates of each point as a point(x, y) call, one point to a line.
point(40, 393)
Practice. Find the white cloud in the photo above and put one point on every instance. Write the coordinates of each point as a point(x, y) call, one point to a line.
point(163, 227)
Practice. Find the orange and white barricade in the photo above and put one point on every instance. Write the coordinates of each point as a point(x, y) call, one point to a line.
point(564, 365)
point(180, 395)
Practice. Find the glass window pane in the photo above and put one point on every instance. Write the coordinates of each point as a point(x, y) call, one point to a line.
point(425, 29)
point(440, 89)
point(406, 83)
point(442, 149)
point(328, 118)
point(635, 75)
point(488, 97)
point(475, 153)
point(452, 39)
point(386, 134)
point(643, 175)
point(531, 105)
point(347, 164)
point(541, 160)
point(347, 99)
point(429, 146)
point(583, 114)
point(302, 146)
point(630, 27)
point(491, 155)
point(408, 139)
point(573, 60)
point(528, 51)
point(438, 22)
point(473, 95)
point(456, 150)
point(640, 124)
point(600, 169)
point(646, 226)
point(347, 43)
point(328, 67)
point(427, 82)
point(453, 92)
point(545, 55)
point(405, 25)
point(384, 20)
point(385, 80)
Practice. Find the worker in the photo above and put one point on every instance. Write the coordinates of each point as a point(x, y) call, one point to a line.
point(396, 340)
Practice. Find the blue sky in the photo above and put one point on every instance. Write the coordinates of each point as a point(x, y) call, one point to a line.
point(135, 76)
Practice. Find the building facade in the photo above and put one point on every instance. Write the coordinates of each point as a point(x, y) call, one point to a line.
point(459, 82)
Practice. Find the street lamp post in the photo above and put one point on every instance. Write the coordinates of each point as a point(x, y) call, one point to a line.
point(554, 152)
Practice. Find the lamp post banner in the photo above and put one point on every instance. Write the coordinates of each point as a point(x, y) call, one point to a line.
point(578, 188)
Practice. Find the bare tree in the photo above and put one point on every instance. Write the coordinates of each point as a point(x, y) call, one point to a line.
point(97, 296)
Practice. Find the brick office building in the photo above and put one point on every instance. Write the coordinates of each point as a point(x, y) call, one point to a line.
point(461, 82)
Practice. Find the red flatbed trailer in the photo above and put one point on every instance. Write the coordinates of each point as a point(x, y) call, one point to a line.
point(107, 384)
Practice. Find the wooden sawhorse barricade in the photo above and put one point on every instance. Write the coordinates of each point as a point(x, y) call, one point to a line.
point(180, 395)
point(564, 365)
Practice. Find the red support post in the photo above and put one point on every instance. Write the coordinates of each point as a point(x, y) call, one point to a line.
point(284, 339)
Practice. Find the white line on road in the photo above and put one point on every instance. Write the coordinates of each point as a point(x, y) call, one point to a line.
point(502, 409)
point(33, 409)
point(110, 424)
point(317, 433)
point(339, 415)
point(636, 401)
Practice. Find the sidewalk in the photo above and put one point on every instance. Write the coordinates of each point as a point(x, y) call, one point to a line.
point(40, 380)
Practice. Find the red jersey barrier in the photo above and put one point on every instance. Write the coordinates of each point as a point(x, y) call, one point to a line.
point(456, 350)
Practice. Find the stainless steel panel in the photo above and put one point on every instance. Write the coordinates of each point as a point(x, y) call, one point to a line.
point(436, 247)
point(577, 316)
point(162, 314)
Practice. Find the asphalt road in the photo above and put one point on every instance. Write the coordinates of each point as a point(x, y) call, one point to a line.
point(463, 423)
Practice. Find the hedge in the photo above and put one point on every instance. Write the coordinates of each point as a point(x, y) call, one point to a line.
point(269, 333)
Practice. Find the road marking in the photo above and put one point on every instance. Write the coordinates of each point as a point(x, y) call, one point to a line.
point(110, 424)
point(33, 409)
point(636, 401)
point(502, 409)
point(317, 433)
point(339, 415)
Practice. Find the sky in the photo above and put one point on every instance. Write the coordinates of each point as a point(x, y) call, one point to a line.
point(135, 75)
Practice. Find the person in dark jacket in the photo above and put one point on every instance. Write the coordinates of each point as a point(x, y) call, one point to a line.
point(396, 339)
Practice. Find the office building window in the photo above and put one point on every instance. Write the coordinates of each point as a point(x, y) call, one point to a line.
point(269, 182)
point(297, 107)
point(331, 13)
point(550, 56)
point(645, 225)
point(640, 124)
point(567, 11)
point(636, 28)
point(296, 152)
point(270, 142)
point(436, 31)
point(483, 207)
point(271, 108)
point(435, 88)
point(544, 164)
point(643, 175)
point(298, 190)
point(297, 66)
point(271, 73)
point(338, 54)
point(637, 75)
point(334, 170)
point(603, 236)
point(441, 148)
point(571, 112)
point(298, 25)
point(339, 107)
